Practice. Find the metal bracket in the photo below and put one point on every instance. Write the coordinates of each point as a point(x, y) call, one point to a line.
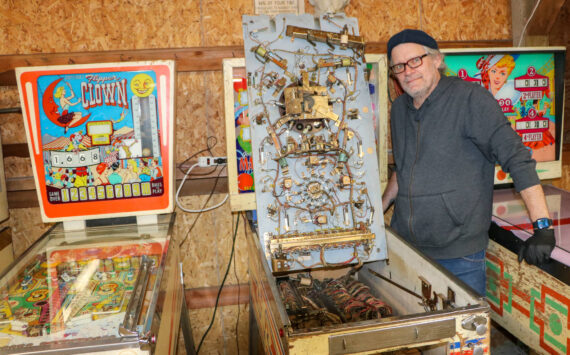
point(428, 301)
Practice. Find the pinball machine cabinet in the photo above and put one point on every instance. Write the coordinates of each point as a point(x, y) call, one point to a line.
point(102, 290)
point(106, 278)
point(431, 308)
point(530, 302)
point(302, 108)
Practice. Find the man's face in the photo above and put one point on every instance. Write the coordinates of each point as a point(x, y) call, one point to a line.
point(417, 82)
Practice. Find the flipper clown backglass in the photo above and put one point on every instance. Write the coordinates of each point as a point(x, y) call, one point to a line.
point(100, 138)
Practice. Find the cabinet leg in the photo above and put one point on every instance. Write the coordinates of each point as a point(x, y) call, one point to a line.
point(186, 328)
point(255, 347)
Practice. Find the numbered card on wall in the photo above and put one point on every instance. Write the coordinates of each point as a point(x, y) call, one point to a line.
point(100, 138)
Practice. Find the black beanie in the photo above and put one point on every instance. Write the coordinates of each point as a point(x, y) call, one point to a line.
point(411, 36)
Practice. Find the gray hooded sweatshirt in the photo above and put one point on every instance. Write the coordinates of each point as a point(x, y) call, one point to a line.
point(445, 153)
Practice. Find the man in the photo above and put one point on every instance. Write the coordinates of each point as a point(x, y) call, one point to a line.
point(447, 135)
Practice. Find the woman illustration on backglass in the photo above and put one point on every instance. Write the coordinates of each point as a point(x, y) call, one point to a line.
point(67, 118)
point(495, 70)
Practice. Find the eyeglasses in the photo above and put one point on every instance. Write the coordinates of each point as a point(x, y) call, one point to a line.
point(412, 63)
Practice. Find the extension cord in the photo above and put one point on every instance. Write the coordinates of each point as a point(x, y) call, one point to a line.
point(211, 161)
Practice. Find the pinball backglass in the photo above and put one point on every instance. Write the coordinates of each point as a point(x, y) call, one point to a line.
point(528, 84)
point(100, 138)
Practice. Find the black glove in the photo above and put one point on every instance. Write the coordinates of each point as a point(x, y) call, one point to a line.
point(536, 249)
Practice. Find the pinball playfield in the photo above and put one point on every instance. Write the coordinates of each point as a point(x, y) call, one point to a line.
point(73, 293)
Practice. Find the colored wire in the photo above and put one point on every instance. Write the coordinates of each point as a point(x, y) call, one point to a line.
point(221, 286)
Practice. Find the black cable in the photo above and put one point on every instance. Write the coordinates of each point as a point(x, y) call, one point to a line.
point(221, 286)
point(10, 110)
point(204, 206)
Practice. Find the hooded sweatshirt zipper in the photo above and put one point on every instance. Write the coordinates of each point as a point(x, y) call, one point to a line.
point(411, 181)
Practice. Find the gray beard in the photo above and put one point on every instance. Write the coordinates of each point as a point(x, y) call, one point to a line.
point(420, 95)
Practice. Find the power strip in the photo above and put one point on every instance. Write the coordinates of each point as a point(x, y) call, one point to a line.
point(211, 161)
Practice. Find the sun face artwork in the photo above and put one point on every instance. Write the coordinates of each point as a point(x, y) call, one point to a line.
point(142, 85)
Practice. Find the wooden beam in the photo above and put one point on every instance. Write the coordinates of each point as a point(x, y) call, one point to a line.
point(381, 47)
point(19, 150)
point(205, 297)
point(187, 59)
point(544, 17)
point(22, 199)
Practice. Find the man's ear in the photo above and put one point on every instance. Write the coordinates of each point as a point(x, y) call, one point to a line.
point(437, 59)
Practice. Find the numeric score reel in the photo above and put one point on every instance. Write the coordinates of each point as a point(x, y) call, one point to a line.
point(75, 159)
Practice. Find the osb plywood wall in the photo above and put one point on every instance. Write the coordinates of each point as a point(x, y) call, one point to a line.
point(55, 26)
point(560, 36)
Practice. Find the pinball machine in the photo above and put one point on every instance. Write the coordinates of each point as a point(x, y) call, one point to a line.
point(326, 275)
point(106, 278)
point(528, 301)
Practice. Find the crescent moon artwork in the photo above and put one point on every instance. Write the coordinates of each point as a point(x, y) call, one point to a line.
point(51, 108)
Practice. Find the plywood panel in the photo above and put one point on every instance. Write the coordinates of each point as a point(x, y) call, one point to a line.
point(11, 123)
point(27, 227)
point(560, 36)
point(206, 251)
point(15, 167)
point(199, 112)
point(222, 19)
point(191, 115)
point(379, 23)
point(222, 336)
point(200, 251)
point(451, 20)
point(215, 110)
point(71, 26)
point(564, 181)
point(235, 327)
point(200, 320)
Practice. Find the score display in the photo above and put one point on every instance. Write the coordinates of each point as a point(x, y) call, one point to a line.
point(522, 84)
point(537, 124)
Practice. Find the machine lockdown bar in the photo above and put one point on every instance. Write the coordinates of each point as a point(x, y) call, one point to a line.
point(136, 302)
